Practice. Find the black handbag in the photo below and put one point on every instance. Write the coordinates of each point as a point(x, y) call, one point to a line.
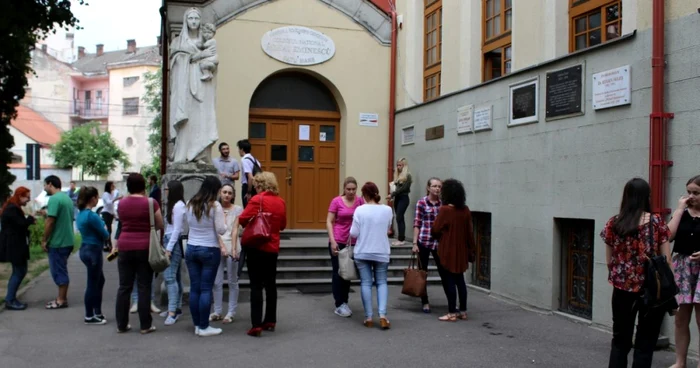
point(660, 287)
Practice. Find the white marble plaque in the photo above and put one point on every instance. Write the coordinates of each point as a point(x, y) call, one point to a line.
point(482, 118)
point(465, 123)
point(612, 88)
point(298, 45)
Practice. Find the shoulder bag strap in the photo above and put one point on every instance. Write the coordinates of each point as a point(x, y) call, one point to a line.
point(150, 213)
point(651, 235)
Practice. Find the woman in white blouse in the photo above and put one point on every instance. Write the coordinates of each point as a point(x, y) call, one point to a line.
point(230, 263)
point(175, 227)
point(205, 218)
point(110, 196)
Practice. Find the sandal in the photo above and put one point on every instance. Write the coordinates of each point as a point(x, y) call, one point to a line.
point(214, 317)
point(228, 319)
point(127, 329)
point(449, 317)
point(463, 316)
point(54, 304)
point(426, 309)
point(149, 330)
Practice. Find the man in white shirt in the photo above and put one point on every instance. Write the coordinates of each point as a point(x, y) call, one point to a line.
point(228, 168)
point(251, 166)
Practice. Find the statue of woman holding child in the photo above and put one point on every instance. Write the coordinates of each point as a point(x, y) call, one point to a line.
point(193, 64)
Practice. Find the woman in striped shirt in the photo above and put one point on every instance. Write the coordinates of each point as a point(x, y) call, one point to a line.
point(423, 242)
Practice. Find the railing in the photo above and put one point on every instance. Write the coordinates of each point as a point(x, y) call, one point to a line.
point(89, 109)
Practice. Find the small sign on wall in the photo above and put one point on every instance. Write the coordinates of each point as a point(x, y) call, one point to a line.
point(483, 118)
point(612, 88)
point(465, 123)
point(369, 120)
point(524, 102)
point(436, 132)
point(564, 93)
point(408, 135)
point(304, 132)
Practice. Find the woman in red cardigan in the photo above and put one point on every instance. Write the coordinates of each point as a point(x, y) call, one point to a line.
point(262, 260)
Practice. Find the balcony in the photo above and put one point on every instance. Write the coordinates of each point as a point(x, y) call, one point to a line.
point(89, 110)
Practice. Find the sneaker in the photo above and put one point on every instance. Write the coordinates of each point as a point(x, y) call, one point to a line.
point(154, 309)
point(134, 308)
point(196, 330)
point(95, 321)
point(165, 314)
point(210, 331)
point(101, 316)
point(171, 320)
point(15, 305)
point(343, 311)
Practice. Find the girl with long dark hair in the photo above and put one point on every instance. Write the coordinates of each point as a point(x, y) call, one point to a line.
point(454, 232)
point(632, 236)
point(175, 227)
point(14, 243)
point(205, 219)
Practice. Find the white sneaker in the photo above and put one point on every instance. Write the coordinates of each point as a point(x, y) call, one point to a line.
point(154, 309)
point(134, 308)
point(210, 331)
point(343, 311)
point(196, 330)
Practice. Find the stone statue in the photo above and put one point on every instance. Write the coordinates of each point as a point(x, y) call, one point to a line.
point(193, 64)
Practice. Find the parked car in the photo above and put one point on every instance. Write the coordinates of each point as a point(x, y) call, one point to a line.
point(42, 201)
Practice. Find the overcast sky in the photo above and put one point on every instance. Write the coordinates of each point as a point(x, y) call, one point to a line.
point(112, 22)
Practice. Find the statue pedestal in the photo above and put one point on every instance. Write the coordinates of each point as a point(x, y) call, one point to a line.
point(191, 175)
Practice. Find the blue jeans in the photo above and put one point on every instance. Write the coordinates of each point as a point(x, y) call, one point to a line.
point(91, 255)
point(58, 264)
point(19, 271)
point(373, 272)
point(202, 264)
point(172, 276)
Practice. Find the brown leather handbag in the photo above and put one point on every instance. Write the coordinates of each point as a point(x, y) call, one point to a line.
point(415, 280)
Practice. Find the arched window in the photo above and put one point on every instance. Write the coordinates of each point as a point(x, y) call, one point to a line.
point(293, 91)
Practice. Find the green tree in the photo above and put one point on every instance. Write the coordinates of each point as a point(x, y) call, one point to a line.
point(153, 81)
point(22, 24)
point(89, 148)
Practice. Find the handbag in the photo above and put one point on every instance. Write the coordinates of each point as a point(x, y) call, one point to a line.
point(156, 254)
point(258, 232)
point(346, 263)
point(660, 287)
point(415, 280)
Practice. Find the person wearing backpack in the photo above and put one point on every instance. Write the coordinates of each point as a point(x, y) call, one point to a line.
point(251, 167)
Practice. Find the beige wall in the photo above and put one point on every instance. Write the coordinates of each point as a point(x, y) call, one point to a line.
point(124, 127)
point(49, 92)
point(20, 147)
point(358, 75)
point(533, 41)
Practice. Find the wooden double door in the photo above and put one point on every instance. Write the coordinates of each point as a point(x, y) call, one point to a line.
point(302, 149)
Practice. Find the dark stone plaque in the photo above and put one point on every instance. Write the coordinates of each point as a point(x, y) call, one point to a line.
point(435, 133)
point(564, 92)
point(524, 101)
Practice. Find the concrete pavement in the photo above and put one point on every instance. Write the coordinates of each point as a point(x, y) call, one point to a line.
point(498, 334)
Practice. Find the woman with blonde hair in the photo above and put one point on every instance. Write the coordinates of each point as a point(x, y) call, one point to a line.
point(400, 188)
point(262, 259)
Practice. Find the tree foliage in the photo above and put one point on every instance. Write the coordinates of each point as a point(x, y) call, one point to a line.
point(153, 81)
point(22, 24)
point(89, 148)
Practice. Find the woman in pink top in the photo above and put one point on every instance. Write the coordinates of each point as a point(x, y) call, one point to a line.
point(133, 253)
point(338, 223)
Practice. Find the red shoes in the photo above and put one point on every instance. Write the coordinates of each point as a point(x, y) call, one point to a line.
point(268, 326)
point(255, 332)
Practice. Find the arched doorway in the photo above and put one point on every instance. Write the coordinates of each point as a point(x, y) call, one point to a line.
point(294, 132)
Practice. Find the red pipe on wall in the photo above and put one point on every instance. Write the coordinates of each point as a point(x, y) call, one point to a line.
point(392, 97)
point(658, 119)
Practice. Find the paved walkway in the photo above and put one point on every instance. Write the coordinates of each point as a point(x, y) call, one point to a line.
point(308, 335)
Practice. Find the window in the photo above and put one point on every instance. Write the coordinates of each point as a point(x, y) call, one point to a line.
point(87, 100)
point(131, 106)
point(432, 55)
point(594, 22)
point(496, 27)
point(98, 100)
point(128, 81)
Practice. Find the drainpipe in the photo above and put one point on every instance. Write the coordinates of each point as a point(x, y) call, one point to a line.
point(164, 91)
point(392, 96)
point(658, 120)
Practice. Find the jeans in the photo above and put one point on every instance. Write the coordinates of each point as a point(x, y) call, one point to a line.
point(373, 272)
point(58, 264)
point(262, 271)
point(626, 306)
point(424, 256)
point(231, 266)
point(450, 282)
point(132, 265)
point(172, 276)
point(341, 287)
point(91, 255)
point(19, 271)
point(202, 263)
point(135, 293)
point(400, 205)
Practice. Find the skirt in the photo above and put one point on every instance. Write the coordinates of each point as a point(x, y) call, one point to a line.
point(686, 274)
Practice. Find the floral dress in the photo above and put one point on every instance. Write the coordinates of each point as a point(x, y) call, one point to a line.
point(631, 252)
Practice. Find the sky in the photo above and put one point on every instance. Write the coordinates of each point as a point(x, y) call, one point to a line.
point(112, 22)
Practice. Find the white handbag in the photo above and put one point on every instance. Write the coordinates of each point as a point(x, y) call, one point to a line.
point(347, 270)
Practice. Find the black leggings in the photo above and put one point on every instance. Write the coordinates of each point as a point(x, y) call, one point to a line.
point(108, 217)
point(400, 205)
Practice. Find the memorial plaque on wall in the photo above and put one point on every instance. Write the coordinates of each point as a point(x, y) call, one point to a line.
point(436, 132)
point(524, 102)
point(564, 92)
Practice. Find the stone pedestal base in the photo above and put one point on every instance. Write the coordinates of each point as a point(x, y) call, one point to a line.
point(191, 175)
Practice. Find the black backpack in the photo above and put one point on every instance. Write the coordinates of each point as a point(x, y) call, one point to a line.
point(660, 287)
point(256, 169)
